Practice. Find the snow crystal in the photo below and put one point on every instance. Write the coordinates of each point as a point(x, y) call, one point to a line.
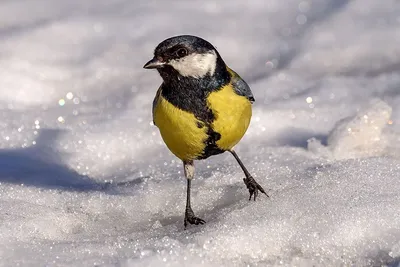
point(85, 178)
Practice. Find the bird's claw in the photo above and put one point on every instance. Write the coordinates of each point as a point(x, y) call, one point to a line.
point(253, 187)
point(190, 218)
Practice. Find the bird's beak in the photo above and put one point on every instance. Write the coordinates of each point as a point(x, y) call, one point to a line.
point(154, 64)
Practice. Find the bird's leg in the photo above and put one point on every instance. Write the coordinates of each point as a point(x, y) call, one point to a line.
point(189, 214)
point(249, 181)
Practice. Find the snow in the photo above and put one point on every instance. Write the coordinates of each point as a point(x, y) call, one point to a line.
point(86, 180)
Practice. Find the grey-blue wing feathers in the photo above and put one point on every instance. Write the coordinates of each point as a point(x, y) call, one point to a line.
point(241, 87)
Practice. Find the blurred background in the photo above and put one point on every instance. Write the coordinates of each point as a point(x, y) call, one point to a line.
point(75, 67)
point(76, 117)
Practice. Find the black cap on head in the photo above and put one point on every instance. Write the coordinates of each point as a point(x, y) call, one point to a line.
point(192, 43)
point(177, 47)
point(188, 56)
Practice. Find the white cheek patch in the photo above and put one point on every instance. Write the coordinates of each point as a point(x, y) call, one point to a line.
point(195, 65)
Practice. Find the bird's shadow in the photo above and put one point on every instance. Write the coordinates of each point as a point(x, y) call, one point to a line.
point(40, 166)
point(43, 167)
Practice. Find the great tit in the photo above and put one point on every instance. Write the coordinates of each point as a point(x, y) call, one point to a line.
point(202, 108)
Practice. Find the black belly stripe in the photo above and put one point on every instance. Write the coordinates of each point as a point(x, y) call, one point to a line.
point(211, 145)
point(190, 94)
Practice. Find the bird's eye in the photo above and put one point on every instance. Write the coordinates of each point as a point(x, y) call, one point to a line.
point(181, 52)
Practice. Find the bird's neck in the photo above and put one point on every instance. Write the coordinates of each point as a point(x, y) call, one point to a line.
point(189, 93)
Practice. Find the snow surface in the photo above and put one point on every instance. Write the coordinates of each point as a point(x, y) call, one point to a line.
point(85, 179)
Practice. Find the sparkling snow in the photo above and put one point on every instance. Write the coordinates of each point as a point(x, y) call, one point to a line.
point(86, 180)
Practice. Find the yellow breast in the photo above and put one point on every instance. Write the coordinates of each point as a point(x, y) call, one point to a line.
point(232, 115)
point(186, 137)
point(179, 130)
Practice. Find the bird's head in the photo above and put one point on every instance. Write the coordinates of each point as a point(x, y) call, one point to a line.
point(186, 56)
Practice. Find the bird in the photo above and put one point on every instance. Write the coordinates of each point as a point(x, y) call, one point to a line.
point(202, 108)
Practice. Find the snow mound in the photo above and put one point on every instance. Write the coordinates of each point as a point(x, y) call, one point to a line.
point(357, 136)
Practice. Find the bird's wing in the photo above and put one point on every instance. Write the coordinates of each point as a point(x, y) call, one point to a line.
point(241, 87)
point(155, 101)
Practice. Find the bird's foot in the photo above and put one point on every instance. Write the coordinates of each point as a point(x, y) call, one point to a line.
point(192, 219)
point(253, 187)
